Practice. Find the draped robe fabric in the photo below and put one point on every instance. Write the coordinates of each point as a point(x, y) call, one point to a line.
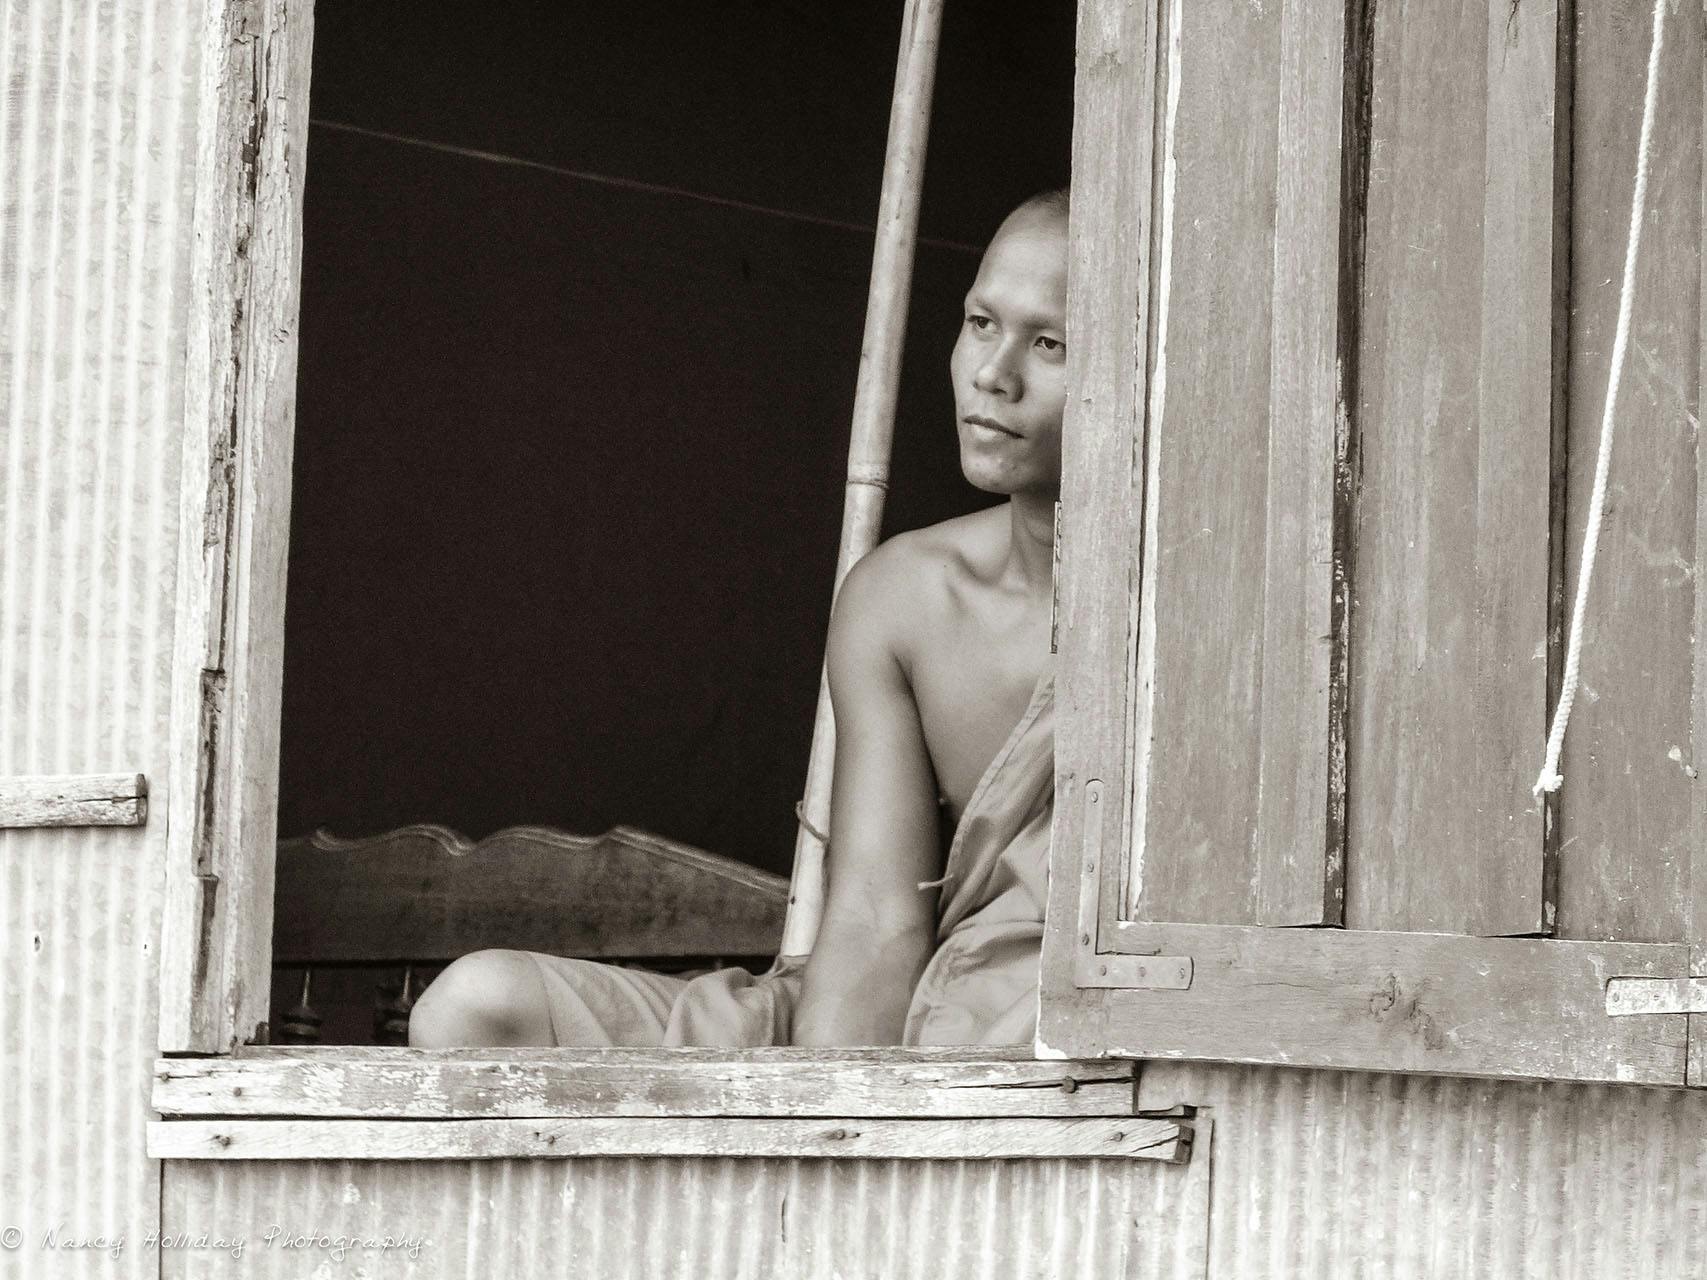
point(979, 987)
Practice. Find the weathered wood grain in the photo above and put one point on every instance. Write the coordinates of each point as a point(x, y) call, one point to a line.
point(74, 800)
point(426, 894)
point(1199, 735)
point(999, 1138)
point(1448, 631)
point(1420, 1002)
point(1235, 740)
point(1525, 218)
point(1298, 859)
point(1108, 307)
point(421, 1084)
point(234, 521)
point(1627, 835)
point(1696, 907)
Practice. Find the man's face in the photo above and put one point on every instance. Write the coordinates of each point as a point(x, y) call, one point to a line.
point(1009, 363)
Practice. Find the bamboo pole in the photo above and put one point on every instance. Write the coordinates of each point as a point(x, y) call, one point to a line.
point(873, 427)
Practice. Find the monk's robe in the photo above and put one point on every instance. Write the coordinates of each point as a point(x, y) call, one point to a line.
point(979, 987)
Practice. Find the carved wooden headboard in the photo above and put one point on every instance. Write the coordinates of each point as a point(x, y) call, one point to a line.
point(363, 913)
point(425, 893)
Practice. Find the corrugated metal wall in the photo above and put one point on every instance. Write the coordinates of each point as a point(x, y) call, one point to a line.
point(1304, 1173)
point(713, 1219)
point(1325, 1173)
point(97, 136)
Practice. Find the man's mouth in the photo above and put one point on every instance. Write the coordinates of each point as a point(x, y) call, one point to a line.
point(989, 424)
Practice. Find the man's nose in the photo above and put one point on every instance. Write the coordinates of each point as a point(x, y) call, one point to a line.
point(997, 375)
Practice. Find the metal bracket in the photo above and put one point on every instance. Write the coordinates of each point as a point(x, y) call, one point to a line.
point(1626, 997)
point(1139, 973)
point(1116, 969)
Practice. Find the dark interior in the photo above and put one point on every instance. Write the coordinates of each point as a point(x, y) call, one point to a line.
point(573, 413)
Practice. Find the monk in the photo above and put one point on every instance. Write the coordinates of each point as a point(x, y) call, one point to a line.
point(941, 680)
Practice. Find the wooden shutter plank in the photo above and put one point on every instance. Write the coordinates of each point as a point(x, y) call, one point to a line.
point(1108, 308)
point(1299, 867)
point(1422, 1002)
point(1449, 622)
point(1626, 832)
point(1233, 740)
point(1525, 209)
point(1195, 811)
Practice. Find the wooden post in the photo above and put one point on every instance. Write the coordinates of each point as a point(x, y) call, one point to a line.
point(873, 427)
point(221, 806)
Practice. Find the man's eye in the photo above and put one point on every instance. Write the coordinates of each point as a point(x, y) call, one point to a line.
point(983, 324)
point(1054, 346)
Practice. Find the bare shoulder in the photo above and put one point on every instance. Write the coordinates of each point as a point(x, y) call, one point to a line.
point(897, 596)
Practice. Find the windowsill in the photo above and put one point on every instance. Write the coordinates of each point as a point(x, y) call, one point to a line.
point(355, 1102)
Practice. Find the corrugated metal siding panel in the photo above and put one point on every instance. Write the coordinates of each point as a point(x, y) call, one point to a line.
point(1344, 1174)
point(712, 1219)
point(1320, 1174)
point(97, 136)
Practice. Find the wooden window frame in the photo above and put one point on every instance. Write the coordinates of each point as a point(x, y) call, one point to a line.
point(1529, 1007)
point(221, 1096)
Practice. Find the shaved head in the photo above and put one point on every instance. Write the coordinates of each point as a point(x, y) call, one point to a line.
point(1046, 204)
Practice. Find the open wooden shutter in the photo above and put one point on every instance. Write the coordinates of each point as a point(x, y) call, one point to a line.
point(234, 521)
point(1343, 285)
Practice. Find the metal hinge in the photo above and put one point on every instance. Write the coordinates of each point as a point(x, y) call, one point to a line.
point(1629, 996)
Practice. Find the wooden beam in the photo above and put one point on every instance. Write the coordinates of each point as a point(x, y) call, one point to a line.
point(1001, 1138)
point(1436, 1004)
point(75, 800)
point(234, 524)
point(1695, 905)
point(564, 1083)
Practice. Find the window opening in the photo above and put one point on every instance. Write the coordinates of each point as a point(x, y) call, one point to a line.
point(578, 344)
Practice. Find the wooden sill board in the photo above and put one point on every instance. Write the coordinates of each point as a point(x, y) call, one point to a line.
point(990, 1138)
point(346, 1082)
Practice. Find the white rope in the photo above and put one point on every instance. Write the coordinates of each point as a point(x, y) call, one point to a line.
point(1551, 779)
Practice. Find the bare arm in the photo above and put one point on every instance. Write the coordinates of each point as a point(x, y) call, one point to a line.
point(878, 927)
